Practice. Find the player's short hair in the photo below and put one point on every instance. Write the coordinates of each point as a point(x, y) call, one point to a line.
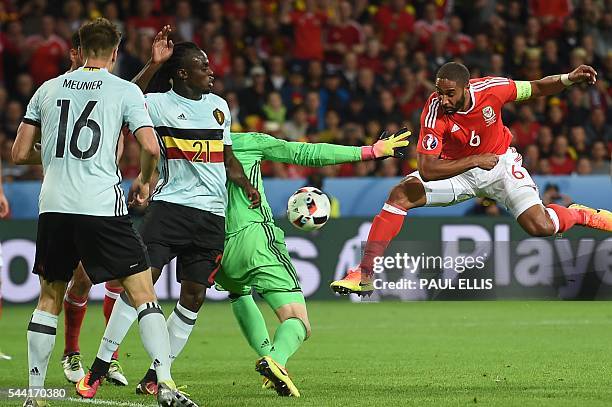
point(181, 53)
point(99, 38)
point(75, 40)
point(454, 71)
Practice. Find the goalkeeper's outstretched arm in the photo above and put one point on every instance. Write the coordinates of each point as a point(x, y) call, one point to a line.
point(322, 154)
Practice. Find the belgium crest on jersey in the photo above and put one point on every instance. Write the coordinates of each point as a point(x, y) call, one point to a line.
point(219, 116)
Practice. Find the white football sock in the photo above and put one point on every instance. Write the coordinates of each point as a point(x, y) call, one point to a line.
point(154, 335)
point(180, 324)
point(119, 323)
point(41, 339)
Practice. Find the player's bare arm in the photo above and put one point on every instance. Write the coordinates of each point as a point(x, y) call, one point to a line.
point(235, 173)
point(149, 156)
point(554, 84)
point(23, 149)
point(161, 51)
point(433, 168)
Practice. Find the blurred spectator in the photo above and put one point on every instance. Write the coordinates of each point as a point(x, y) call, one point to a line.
point(388, 110)
point(219, 56)
point(551, 63)
point(597, 128)
point(274, 111)
point(394, 22)
point(48, 52)
point(531, 158)
point(277, 74)
point(545, 141)
point(184, 21)
point(294, 91)
point(578, 140)
point(429, 25)
point(525, 129)
point(552, 194)
point(307, 30)
point(254, 97)
point(12, 118)
point(561, 163)
point(295, 129)
point(583, 166)
point(343, 34)
point(145, 22)
point(10, 171)
point(316, 114)
point(485, 207)
point(458, 43)
point(480, 56)
point(601, 159)
point(332, 132)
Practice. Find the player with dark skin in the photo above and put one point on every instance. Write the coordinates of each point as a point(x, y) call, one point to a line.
point(193, 80)
point(455, 165)
point(410, 193)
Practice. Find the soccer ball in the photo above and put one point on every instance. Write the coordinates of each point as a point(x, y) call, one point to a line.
point(308, 209)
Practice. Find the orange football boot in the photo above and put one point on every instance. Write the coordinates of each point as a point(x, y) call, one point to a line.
point(595, 218)
point(355, 282)
point(87, 391)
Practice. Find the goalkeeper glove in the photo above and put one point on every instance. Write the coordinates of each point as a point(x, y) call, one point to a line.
point(394, 145)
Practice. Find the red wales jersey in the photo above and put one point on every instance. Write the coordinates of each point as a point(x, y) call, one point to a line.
point(478, 130)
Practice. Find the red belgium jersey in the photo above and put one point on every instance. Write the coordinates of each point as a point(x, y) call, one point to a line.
point(478, 130)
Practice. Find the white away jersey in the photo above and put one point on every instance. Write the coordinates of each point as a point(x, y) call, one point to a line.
point(80, 114)
point(192, 134)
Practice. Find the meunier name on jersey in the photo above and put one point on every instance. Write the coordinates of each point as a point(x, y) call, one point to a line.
point(81, 85)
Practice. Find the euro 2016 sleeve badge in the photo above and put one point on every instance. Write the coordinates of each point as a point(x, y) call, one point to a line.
point(219, 116)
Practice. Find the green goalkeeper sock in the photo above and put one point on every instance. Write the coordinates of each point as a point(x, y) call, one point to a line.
point(288, 338)
point(252, 324)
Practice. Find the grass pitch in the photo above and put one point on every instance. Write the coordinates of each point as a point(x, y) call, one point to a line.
point(387, 354)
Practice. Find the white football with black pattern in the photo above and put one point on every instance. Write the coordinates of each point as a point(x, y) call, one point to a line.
point(308, 209)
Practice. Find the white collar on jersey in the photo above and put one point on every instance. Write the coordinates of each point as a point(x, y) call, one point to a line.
point(173, 93)
point(472, 98)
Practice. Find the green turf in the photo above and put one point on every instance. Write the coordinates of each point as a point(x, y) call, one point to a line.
point(389, 354)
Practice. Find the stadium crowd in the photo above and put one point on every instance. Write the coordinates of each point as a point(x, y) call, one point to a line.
point(341, 71)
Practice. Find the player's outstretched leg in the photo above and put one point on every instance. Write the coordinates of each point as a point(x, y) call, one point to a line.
point(408, 194)
point(75, 307)
point(552, 219)
point(293, 331)
point(115, 371)
point(41, 334)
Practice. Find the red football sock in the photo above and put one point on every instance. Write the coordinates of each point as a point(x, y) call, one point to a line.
point(74, 313)
point(387, 224)
point(565, 217)
point(112, 293)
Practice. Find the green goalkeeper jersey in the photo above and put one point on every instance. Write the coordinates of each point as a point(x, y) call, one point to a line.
point(253, 148)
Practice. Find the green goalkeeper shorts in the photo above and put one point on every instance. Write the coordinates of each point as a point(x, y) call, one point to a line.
point(257, 257)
